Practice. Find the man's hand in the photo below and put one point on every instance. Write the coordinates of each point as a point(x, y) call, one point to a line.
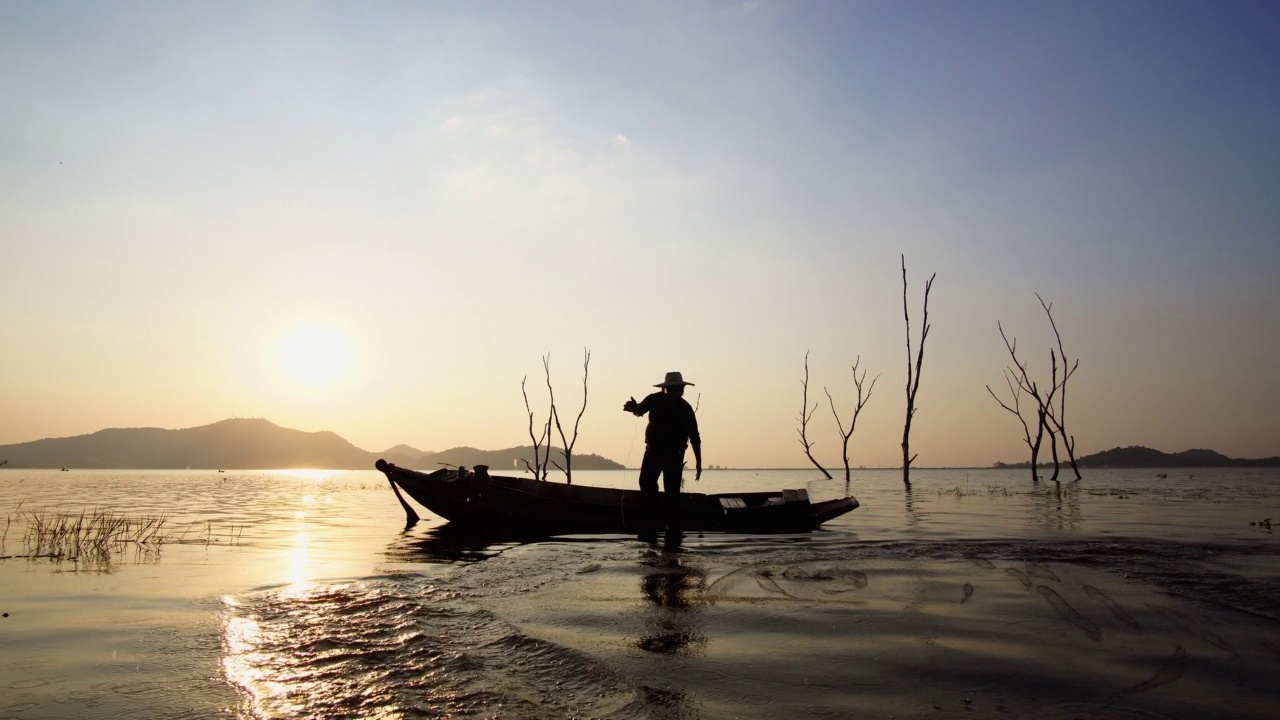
point(630, 405)
point(697, 474)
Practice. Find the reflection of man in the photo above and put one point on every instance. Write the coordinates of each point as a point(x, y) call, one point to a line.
point(673, 426)
point(670, 589)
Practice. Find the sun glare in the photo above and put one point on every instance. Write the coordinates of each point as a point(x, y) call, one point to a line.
point(314, 355)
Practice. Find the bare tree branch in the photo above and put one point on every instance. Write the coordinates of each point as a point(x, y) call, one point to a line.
point(568, 444)
point(1047, 411)
point(551, 415)
point(1059, 417)
point(1015, 391)
point(1044, 402)
point(857, 410)
point(805, 413)
point(537, 468)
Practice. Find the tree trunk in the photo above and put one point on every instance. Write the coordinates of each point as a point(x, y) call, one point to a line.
point(1035, 452)
point(1053, 446)
point(913, 373)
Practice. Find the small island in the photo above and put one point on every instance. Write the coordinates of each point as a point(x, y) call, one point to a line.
point(1137, 456)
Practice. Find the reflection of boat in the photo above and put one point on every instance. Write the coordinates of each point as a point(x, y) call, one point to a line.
point(478, 499)
point(451, 543)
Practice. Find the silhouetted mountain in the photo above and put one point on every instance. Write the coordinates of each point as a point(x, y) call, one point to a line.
point(510, 459)
point(402, 455)
point(1136, 456)
point(241, 443)
point(244, 444)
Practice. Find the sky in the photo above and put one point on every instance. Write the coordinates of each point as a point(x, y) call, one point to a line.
point(377, 218)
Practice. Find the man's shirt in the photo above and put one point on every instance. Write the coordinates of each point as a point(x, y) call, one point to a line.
point(672, 422)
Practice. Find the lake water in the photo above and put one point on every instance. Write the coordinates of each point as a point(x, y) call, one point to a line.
point(977, 594)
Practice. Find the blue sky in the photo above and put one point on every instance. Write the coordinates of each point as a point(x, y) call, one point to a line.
point(457, 188)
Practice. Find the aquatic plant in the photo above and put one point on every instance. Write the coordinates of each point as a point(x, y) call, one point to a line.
point(208, 535)
point(97, 536)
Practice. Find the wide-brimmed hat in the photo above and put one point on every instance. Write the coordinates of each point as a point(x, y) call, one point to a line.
point(673, 380)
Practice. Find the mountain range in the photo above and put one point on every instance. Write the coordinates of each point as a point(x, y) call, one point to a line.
point(258, 444)
point(252, 444)
point(1136, 456)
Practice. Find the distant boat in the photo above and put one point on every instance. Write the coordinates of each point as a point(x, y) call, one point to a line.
point(493, 502)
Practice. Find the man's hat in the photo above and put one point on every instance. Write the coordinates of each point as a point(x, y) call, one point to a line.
point(673, 380)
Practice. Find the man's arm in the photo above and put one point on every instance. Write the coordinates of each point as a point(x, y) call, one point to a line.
point(637, 408)
point(695, 441)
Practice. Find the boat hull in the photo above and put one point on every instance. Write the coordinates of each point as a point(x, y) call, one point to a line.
point(498, 503)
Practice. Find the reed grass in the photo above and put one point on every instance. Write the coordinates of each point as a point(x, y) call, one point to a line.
point(93, 533)
point(207, 533)
point(98, 536)
point(993, 490)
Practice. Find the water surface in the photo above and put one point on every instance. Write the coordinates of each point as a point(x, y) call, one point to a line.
point(977, 594)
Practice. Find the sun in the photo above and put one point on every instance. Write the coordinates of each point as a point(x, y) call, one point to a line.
point(314, 355)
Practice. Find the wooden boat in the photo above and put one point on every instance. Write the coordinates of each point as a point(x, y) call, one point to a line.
point(483, 501)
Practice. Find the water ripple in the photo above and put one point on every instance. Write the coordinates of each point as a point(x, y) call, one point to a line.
point(392, 647)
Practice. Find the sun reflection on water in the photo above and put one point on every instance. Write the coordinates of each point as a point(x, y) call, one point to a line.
point(298, 572)
point(309, 474)
point(242, 662)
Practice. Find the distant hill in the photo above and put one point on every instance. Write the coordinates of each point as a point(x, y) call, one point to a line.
point(403, 450)
point(402, 455)
point(239, 443)
point(510, 459)
point(1136, 456)
point(246, 444)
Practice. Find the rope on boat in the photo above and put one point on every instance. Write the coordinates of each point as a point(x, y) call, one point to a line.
point(635, 428)
point(622, 506)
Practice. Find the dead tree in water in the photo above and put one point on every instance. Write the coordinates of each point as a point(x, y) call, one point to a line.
point(1048, 413)
point(857, 410)
point(1058, 417)
point(806, 412)
point(568, 444)
point(542, 461)
point(913, 375)
point(539, 467)
point(1019, 381)
point(1033, 444)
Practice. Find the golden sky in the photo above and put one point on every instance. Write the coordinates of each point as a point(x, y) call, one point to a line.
point(377, 222)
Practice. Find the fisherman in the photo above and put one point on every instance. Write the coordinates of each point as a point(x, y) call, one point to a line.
point(672, 427)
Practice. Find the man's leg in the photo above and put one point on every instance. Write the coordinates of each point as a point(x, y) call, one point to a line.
point(650, 468)
point(672, 469)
